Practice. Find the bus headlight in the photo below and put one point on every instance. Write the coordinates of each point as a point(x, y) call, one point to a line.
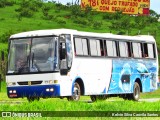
point(14, 91)
point(50, 81)
point(11, 83)
point(47, 89)
point(51, 90)
point(46, 82)
point(10, 91)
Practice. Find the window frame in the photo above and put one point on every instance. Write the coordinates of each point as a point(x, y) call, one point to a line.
point(126, 49)
point(116, 46)
point(154, 50)
point(129, 46)
point(139, 57)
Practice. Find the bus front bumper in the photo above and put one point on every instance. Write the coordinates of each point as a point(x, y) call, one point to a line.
point(34, 91)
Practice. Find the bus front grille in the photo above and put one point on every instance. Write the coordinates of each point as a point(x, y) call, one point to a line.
point(30, 83)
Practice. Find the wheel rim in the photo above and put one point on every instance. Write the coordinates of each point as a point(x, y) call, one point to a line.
point(76, 93)
point(136, 92)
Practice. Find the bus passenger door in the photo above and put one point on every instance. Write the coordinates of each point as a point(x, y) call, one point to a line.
point(63, 58)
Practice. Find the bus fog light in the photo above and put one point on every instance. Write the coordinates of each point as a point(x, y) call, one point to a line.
point(51, 90)
point(50, 81)
point(46, 82)
point(11, 83)
point(47, 89)
point(55, 81)
point(14, 91)
point(10, 91)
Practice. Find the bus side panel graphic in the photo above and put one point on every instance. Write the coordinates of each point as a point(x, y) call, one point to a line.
point(125, 73)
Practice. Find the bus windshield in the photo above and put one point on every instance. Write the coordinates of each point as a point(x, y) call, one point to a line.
point(33, 55)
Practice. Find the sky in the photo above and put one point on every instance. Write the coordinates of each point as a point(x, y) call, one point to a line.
point(154, 4)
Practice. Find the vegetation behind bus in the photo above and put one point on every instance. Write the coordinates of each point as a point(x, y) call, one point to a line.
point(19, 16)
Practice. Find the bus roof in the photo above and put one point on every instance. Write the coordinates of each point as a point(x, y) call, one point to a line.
point(80, 33)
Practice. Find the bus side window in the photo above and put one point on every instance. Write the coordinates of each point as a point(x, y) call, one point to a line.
point(111, 48)
point(78, 46)
point(137, 50)
point(130, 49)
point(123, 49)
point(105, 48)
point(145, 54)
point(95, 47)
point(102, 48)
point(151, 52)
point(142, 50)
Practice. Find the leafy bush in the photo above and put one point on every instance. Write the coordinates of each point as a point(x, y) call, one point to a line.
point(117, 15)
point(88, 10)
point(76, 11)
point(107, 16)
point(121, 32)
point(82, 21)
point(4, 3)
point(60, 20)
point(140, 22)
point(9, 2)
point(97, 25)
point(48, 17)
point(27, 8)
point(5, 36)
point(26, 12)
point(1, 19)
point(151, 19)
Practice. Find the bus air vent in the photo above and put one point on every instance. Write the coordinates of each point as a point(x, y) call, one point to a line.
point(30, 83)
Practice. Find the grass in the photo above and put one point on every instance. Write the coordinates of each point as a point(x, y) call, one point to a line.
point(154, 94)
point(64, 105)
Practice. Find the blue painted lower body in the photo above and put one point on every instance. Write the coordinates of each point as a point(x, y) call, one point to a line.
point(32, 91)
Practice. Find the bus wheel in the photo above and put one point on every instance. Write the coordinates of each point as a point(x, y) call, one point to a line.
point(102, 97)
point(127, 97)
point(31, 99)
point(98, 97)
point(93, 98)
point(76, 93)
point(136, 92)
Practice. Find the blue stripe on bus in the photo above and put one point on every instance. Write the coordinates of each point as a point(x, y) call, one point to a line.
point(39, 91)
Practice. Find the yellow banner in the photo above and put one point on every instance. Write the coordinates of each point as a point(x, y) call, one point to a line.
point(127, 6)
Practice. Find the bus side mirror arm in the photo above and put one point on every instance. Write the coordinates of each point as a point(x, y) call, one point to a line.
point(62, 53)
point(63, 60)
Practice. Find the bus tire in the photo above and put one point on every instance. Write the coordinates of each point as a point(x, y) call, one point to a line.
point(93, 98)
point(31, 99)
point(76, 93)
point(98, 97)
point(136, 92)
point(102, 97)
point(127, 96)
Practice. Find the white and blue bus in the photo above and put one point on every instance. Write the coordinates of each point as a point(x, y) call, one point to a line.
point(70, 63)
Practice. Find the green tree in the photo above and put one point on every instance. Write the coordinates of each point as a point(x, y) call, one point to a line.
point(140, 23)
point(153, 13)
